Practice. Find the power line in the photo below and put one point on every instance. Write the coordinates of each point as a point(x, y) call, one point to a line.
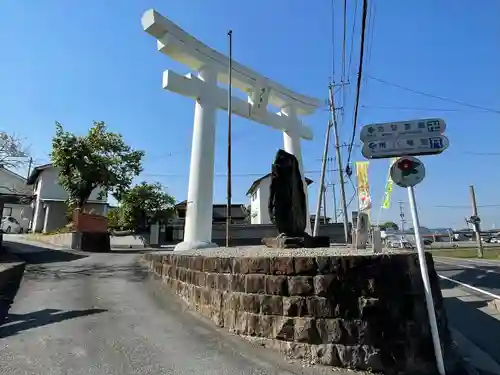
point(225, 174)
point(421, 109)
point(481, 153)
point(460, 207)
point(352, 39)
point(466, 207)
point(343, 73)
point(360, 72)
point(344, 36)
point(371, 31)
point(433, 96)
point(333, 38)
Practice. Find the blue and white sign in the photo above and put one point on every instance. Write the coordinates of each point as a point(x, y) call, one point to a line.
point(400, 129)
point(411, 146)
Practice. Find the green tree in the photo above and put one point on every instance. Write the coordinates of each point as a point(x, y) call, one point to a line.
point(145, 204)
point(389, 225)
point(100, 159)
point(114, 218)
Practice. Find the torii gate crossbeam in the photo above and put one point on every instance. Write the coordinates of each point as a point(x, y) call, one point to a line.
point(212, 68)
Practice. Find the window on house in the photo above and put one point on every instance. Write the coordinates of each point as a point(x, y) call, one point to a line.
point(7, 211)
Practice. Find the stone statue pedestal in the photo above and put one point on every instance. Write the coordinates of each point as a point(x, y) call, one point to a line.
point(289, 242)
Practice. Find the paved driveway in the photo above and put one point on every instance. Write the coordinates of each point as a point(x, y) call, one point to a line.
point(100, 314)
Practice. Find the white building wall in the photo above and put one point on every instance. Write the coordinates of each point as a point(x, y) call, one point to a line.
point(264, 193)
point(49, 187)
point(259, 200)
point(254, 207)
point(39, 215)
point(259, 203)
point(50, 215)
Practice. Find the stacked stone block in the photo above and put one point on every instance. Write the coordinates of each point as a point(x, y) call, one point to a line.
point(362, 312)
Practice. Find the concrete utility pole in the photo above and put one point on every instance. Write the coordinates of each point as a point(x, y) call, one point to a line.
point(29, 167)
point(322, 180)
point(334, 204)
point(324, 204)
point(476, 222)
point(402, 216)
point(339, 164)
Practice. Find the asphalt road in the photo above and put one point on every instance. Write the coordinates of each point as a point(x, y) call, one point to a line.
point(101, 314)
point(470, 315)
point(459, 244)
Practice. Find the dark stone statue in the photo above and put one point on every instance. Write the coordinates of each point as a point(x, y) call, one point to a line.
point(287, 200)
point(288, 207)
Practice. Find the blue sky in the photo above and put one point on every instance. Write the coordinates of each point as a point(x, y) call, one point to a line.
point(92, 61)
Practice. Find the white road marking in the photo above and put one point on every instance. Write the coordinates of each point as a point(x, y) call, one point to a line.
point(465, 266)
point(478, 290)
point(491, 262)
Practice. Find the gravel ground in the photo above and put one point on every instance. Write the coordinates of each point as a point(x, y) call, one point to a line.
point(263, 251)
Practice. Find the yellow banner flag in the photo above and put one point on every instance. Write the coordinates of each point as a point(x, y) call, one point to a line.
point(388, 187)
point(387, 195)
point(364, 198)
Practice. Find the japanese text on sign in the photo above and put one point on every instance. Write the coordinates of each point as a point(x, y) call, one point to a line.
point(402, 129)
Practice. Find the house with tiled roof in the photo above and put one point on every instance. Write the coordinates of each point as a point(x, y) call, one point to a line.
point(49, 200)
point(15, 197)
point(259, 199)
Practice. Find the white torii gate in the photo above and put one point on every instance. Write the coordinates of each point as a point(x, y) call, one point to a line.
point(212, 68)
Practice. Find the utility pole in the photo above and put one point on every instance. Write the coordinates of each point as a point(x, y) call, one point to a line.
point(229, 113)
point(476, 222)
point(325, 190)
point(322, 179)
point(402, 216)
point(334, 204)
point(339, 163)
point(324, 204)
point(29, 167)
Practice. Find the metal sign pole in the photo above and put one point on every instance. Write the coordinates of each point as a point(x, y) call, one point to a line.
point(427, 285)
point(410, 138)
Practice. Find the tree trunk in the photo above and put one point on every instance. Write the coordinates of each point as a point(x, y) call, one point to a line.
point(83, 197)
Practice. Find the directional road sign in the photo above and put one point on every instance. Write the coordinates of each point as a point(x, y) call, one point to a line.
point(414, 137)
point(412, 128)
point(419, 145)
point(407, 171)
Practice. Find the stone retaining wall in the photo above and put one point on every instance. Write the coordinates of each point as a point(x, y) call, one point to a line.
point(59, 239)
point(363, 312)
point(65, 240)
point(11, 274)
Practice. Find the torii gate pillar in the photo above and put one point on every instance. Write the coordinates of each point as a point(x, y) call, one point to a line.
point(199, 207)
point(291, 144)
point(212, 68)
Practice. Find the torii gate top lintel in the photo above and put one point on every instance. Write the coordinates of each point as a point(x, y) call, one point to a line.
point(184, 48)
